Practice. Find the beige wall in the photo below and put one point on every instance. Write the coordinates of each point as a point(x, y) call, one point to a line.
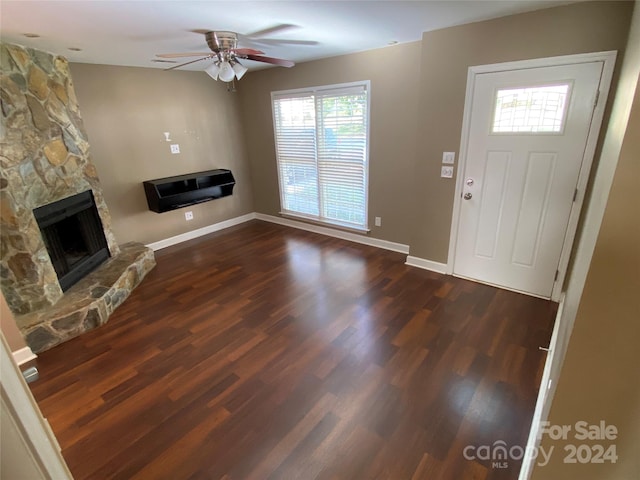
point(9, 328)
point(415, 118)
point(393, 116)
point(446, 56)
point(599, 378)
point(125, 112)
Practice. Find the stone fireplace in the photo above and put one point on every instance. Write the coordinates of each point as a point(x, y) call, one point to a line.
point(58, 274)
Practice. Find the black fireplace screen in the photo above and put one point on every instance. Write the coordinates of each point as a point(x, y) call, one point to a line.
point(74, 237)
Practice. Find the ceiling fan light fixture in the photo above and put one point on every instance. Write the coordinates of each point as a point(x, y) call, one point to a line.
point(239, 69)
point(226, 73)
point(213, 70)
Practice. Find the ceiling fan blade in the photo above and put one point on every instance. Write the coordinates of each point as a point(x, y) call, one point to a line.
point(283, 41)
point(268, 31)
point(275, 61)
point(178, 55)
point(188, 63)
point(247, 51)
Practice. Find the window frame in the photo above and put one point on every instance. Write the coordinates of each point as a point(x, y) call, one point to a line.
point(315, 91)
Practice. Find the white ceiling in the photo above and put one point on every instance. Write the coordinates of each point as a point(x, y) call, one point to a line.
point(130, 33)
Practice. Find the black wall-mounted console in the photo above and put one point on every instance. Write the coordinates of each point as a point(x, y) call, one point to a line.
point(164, 194)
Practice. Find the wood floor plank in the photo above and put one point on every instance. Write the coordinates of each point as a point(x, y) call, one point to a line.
point(267, 352)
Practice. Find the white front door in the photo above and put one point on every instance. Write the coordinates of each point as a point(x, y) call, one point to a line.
point(527, 138)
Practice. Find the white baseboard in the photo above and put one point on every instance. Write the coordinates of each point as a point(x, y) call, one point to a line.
point(426, 264)
point(183, 237)
point(23, 355)
point(330, 232)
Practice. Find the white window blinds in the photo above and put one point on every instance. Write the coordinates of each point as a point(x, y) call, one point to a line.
point(321, 146)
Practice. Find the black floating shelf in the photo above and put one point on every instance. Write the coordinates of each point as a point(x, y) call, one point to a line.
point(164, 194)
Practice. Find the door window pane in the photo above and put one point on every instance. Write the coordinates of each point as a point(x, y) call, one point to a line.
point(531, 110)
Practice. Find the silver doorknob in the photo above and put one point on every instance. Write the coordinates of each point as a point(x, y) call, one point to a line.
point(467, 196)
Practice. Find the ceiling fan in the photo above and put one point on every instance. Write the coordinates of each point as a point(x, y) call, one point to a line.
point(226, 56)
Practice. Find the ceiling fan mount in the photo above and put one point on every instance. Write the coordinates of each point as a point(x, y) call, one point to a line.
point(221, 41)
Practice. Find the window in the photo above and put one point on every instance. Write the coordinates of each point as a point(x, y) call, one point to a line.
point(531, 110)
point(322, 151)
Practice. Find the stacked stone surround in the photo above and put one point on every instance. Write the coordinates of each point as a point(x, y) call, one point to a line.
point(45, 157)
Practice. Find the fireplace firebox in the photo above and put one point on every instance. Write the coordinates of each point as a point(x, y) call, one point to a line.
point(74, 237)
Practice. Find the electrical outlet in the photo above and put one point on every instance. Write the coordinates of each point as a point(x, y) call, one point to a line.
point(378, 221)
point(175, 148)
point(449, 157)
point(188, 215)
point(446, 172)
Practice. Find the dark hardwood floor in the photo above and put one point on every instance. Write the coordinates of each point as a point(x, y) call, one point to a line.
point(264, 352)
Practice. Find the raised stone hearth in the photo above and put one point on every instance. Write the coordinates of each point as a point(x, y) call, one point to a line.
point(44, 158)
point(89, 302)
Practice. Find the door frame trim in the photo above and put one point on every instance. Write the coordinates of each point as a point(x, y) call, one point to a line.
point(609, 59)
point(39, 442)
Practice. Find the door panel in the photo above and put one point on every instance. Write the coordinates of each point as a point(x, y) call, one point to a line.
point(533, 208)
point(492, 202)
point(527, 138)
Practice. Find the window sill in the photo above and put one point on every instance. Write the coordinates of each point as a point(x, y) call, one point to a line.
point(341, 226)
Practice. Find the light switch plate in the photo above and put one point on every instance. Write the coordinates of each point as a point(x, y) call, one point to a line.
point(449, 157)
point(175, 148)
point(446, 172)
